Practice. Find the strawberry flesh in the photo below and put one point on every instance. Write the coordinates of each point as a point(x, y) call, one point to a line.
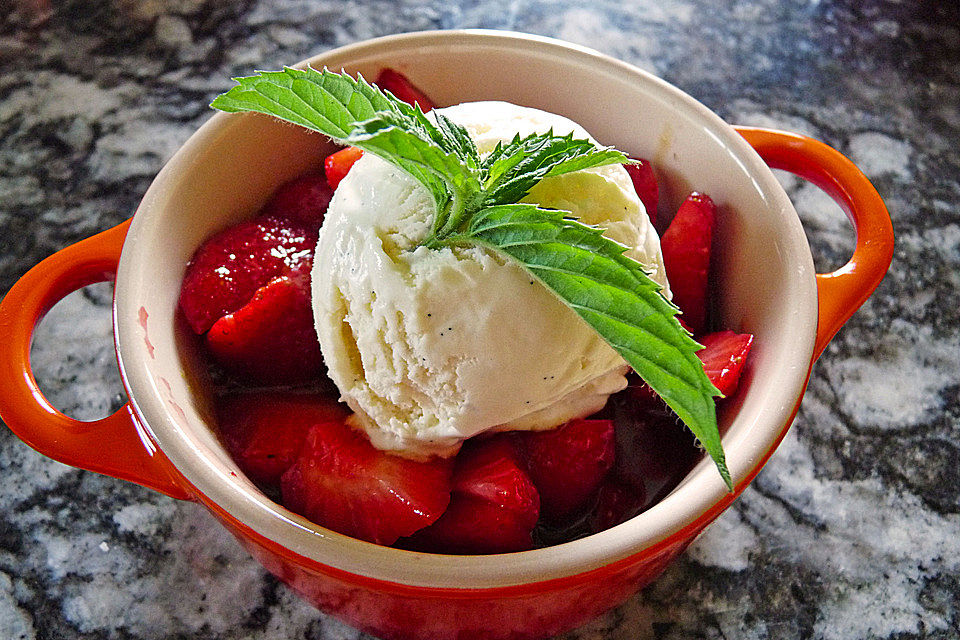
point(568, 464)
point(723, 355)
point(653, 448)
point(303, 200)
point(399, 85)
point(643, 393)
point(686, 257)
point(340, 481)
point(228, 268)
point(616, 503)
point(645, 184)
point(264, 432)
point(337, 165)
point(271, 338)
point(493, 506)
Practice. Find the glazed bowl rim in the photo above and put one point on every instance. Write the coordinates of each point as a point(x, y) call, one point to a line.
point(692, 505)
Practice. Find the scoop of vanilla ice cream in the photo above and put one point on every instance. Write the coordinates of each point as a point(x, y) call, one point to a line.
point(430, 347)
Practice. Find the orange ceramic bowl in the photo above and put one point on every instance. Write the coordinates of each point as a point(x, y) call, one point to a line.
point(164, 439)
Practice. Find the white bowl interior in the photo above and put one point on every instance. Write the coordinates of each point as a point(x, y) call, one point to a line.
point(227, 170)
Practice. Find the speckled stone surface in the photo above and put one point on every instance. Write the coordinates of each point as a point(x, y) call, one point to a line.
point(851, 531)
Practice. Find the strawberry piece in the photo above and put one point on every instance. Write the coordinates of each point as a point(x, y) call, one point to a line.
point(229, 267)
point(493, 506)
point(645, 184)
point(653, 449)
point(567, 464)
point(723, 355)
point(686, 257)
point(338, 164)
point(616, 503)
point(264, 432)
point(642, 393)
point(272, 337)
point(399, 85)
point(340, 481)
point(303, 200)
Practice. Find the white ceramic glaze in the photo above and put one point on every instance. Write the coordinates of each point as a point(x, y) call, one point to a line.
point(230, 166)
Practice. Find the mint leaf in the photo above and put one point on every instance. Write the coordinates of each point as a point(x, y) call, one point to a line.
point(459, 141)
point(613, 294)
point(511, 170)
point(323, 101)
point(395, 139)
point(352, 111)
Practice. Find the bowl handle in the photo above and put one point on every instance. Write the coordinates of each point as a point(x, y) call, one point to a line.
point(115, 445)
point(841, 292)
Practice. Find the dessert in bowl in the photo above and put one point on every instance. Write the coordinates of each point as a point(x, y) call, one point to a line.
point(550, 315)
point(228, 169)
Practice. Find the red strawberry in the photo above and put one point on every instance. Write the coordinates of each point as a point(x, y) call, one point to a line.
point(642, 393)
point(686, 257)
point(645, 184)
point(264, 432)
point(272, 337)
point(568, 464)
point(340, 481)
point(616, 503)
point(228, 268)
point(724, 353)
point(303, 200)
point(400, 86)
point(493, 506)
point(653, 448)
point(338, 164)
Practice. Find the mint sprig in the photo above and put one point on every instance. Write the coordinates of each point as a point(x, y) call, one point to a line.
point(477, 203)
point(338, 106)
point(511, 170)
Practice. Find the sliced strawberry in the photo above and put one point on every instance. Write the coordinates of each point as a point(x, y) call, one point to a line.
point(272, 337)
point(568, 464)
point(493, 507)
point(228, 268)
point(616, 503)
point(399, 85)
point(653, 448)
point(642, 393)
point(303, 200)
point(645, 184)
point(338, 164)
point(686, 257)
point(723, 355)
point(264, 432)
point(340, 481)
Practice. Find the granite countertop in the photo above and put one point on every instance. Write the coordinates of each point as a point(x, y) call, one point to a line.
point(851, 531)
